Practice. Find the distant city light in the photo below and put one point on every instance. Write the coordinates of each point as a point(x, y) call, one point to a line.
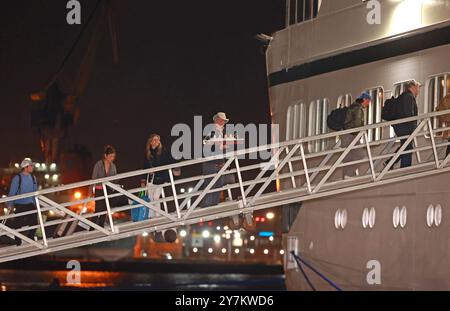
point(252, 238)
point(4, 196)
point(51, 213)
point(169, 257)
point(237, 235)
point(252, 251)
point(225, 228)
point(271, 238)
point(217, 239)
point(44, 166)
point(237, 242)
point(5, 210)
point(205, 234)
point(263, 219)
point(84, 210)
point(270, 215)
point(195, 249)
point(77, 195)
point(55, 177)
point(53, 166)
point(183, 233)
point(236, 250)
point(144, 254)
point(266, 251)
point(190, 189)
point(17, 165)
point(257, 219)
point(281, 251)
point(224, 250)
point(145, 234)
point(228, 231)
point(218, 228)
point(46, 176)
point(228, 236)
point(182, 190)
point(37, 164)
point(210, 250)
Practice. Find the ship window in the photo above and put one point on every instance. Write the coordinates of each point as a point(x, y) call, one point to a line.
point(344, 101)
point(373, 113)
point(298, 11)
point(318, 112)
point(296, 121)
point(437, 88)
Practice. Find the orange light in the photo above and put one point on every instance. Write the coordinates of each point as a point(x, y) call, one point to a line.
point(77, 195)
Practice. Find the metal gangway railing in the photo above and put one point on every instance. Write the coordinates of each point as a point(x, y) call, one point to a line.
point(303, 176)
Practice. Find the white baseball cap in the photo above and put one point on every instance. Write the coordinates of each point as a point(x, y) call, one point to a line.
point(26, 162)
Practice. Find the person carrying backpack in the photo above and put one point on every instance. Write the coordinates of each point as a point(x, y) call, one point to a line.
point(354, 118)
point(24, 182)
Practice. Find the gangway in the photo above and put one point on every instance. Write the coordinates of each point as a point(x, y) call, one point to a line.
point(304, 176)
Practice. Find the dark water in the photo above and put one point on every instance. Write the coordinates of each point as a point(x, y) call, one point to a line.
point(101, 280)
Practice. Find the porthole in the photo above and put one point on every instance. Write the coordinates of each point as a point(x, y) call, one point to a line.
point(430, 216)
point(337, 219)
point(343, 218)
point(403, 214)
point(438, 215)
point(365, 218)
point(372, 216)
point(396, 217)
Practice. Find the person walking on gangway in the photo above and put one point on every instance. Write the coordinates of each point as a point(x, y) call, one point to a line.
point(354, 118)
point(24, 182)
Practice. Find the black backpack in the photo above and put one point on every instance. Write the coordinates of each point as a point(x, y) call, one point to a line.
point(336, 119)
point(390, 109)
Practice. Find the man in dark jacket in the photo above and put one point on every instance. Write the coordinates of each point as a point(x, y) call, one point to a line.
point(407, 107)
point(353, 119)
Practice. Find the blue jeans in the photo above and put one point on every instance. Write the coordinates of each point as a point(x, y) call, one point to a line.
point(212, 198)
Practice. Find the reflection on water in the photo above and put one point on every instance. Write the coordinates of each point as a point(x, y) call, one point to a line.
point(100, 280)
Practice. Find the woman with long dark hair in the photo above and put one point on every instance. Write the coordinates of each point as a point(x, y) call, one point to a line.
point(103, 168)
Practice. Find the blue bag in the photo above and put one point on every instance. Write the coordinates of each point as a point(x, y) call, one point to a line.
point(140, 212)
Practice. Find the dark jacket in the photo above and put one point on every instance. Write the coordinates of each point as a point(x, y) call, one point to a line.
point(355, 116)
point(407, 107)
point(165, 158)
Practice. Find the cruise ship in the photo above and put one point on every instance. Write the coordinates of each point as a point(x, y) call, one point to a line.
point(395, 236)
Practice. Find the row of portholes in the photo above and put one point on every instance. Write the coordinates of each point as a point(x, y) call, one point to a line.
point(368, 218)
point(399, 217)
point(434, 215)
point(340, 219)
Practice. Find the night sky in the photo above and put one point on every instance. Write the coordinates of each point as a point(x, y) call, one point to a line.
point(177, 59)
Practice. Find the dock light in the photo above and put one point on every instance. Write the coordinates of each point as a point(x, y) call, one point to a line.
point(169, 257)
point(224, 250)
point(225, 228)
point(183, 233)
point(77, 195)
point(43, 166)
point(144, 254)
point(205, 234)
point(182, 190)
point(252, 251)
point(37, 165)
point(5, 210)
point(195, 249)
point(271, 238)
point(281, 251)
point(236, 250)
point(218, 228)
point(53, 166)
point(270, 215)
point(237, 235)
point(227, 236)
point(266, 251)
point(217, 239)
point(252, 238)
point(144, 234)
point(17, 165)
point(55, 177)
point(46, 176)
point(210, 250)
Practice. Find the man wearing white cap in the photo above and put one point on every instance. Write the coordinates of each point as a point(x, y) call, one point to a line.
point(212, 167)
point(24, 182)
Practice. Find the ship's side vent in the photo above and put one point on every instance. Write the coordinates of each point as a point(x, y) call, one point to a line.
point(434, 215)
point(340, 219)
point(368, 218)
point(289, 260)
